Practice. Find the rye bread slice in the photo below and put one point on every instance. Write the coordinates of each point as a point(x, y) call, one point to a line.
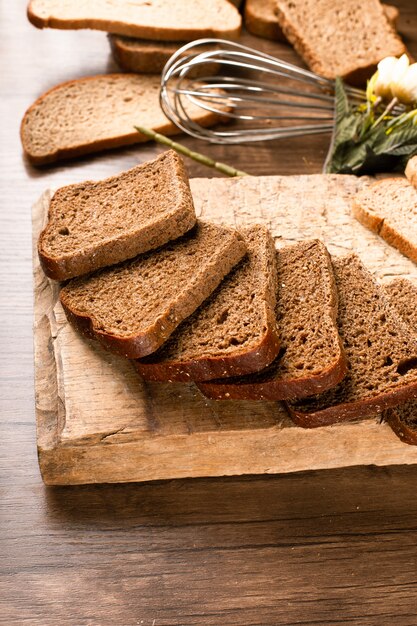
point(132, 308)
point(403, 419)
point(96, 113)
point(95, 224)
point(380, 348)
point(339, 39)
point(234, 331)
point(389, 208)
point(162, 20)
point(311, 358)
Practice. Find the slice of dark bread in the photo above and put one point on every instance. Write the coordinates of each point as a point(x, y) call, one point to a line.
point(95, 224)
point(132, 308)
point(234, 331)
point(339, 38)
point(389, 208)
point(381, 351)
point(311, 358)
point(403, 419)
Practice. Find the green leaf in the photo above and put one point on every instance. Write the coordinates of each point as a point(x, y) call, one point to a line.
point(358, 148)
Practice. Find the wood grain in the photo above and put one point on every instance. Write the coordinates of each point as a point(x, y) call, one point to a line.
point(110, 426)
point(326, 547)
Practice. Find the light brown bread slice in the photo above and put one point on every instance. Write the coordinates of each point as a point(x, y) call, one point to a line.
point(261, 18)
point(411, 171)
point(311, 357)
point(96, 113)
point(380, 348)
point(389, 208)
point(141, 55)
point(95, 224)
point(161, 20)
point(339, 38)
point(132, 308)
point(234, 331)
point(403, 419)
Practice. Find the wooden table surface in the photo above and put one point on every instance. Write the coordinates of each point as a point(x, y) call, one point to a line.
point(324, 547)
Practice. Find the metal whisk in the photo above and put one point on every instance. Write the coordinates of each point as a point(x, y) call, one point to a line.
point(266, 98)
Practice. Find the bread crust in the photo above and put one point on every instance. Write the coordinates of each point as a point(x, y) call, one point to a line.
point(131, 29)
point(277, 389)
point(403, 432)
point(348, 411)
point(215, 367)
point(381, 225)
point(133, 137)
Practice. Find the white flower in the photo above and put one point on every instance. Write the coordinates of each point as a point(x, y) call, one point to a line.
point(406, 89)
point(395, 78)
point(384, 76)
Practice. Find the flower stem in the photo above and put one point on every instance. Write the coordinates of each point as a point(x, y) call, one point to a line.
point(387, 111)
point(196, 156)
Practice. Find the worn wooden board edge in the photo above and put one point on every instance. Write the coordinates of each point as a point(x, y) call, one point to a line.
point(277, 449)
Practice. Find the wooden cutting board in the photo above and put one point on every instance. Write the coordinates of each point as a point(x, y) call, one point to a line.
point(98, 422)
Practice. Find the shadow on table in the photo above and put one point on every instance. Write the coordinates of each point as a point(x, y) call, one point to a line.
point(328, 502)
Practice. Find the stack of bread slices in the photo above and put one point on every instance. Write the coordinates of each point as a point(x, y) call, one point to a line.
point(187, 300)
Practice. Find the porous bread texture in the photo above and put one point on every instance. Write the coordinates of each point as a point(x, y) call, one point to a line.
point(95, 224)
point(389, 208)
point(381, 351)
point(403, 419)
point(132, 308)
point(96, 113)
point(311, 358)
point(261, 20)
point(411, 171)
point(141, 55)
point(339, 38)
point(234, 331)
point(161, 20)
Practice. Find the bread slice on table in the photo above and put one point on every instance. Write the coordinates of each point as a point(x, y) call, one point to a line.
point(96, 113)
point(311, 357)
point(162, 20)
point(380, 348)
point(132, 308)
point(95, 224)
point(389, 208)
point(403, 419)
point(261, 18)
point(339, 38)
point(234, 331)
point(141, 55)
point(411, 171)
